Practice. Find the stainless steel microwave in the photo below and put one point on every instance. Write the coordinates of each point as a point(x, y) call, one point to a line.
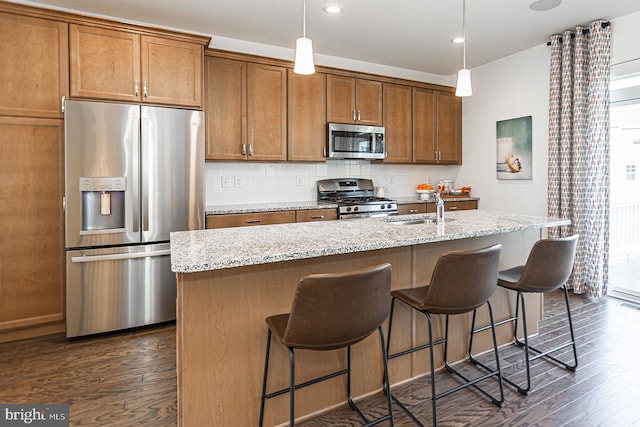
point(345, 141)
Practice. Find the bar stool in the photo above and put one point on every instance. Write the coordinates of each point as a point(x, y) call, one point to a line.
point(548, 268)
point(332, 311)
point(461, 282)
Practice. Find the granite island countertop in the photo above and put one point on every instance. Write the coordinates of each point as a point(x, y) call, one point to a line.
point(215, 249)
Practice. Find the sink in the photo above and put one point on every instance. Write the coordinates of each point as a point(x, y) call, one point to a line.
point(410, 221)
point(413, 221)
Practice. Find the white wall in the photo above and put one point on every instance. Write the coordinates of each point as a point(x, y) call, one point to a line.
point(511, 87)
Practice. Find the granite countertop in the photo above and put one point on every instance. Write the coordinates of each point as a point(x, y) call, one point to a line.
point(267, 207)
point(304, 205)
point(215, 249)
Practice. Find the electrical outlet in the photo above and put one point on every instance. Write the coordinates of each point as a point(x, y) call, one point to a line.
point(299, 180)
point(391, 180)
point(238, 182)
point(225, 182)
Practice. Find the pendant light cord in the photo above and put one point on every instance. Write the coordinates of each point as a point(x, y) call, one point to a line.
point(464, 34)
point(304, 18)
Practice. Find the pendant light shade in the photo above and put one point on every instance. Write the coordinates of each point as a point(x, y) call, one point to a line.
point(463, 87)
point(304, 57)
point(304, 51)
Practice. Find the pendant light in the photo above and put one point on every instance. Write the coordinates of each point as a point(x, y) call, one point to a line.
point(463, 88)
point(304, 51)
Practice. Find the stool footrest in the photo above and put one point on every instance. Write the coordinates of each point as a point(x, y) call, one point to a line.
point(306, 383)
point(414, 349)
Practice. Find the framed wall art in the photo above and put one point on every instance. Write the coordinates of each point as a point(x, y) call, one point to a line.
point(513, 148)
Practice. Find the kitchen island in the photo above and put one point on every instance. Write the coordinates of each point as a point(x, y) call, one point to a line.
point(229, 280)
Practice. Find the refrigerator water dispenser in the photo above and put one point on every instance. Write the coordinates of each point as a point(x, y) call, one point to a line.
point(103, 204)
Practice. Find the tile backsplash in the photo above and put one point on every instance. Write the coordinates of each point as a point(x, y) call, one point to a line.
point(229, 183)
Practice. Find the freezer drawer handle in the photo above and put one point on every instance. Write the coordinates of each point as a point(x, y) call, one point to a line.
point(109, 257)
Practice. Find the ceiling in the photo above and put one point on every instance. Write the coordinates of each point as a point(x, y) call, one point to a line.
point(409, 34)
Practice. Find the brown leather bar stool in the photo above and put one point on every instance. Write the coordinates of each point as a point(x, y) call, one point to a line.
point(332, 311)
point(548, 268)
point(461, 282)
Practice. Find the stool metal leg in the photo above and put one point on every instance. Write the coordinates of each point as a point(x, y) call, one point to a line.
point(264, 378)
point(292, 394)
point(524, 343)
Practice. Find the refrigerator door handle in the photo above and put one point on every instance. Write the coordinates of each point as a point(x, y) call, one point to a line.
point(111, 257)
point(145, 163)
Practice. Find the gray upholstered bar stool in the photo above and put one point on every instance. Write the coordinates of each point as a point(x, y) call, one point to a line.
point(461, 282)
point(332, 311)
point(548, 268)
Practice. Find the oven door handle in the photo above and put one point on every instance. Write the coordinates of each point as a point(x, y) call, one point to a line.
point(111, 257)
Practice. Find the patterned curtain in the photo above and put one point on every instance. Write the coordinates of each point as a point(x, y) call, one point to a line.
point(579, 149)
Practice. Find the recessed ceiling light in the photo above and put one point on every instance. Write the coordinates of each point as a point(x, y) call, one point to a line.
point(332, 9)
point(542, 5)
point(458, 40)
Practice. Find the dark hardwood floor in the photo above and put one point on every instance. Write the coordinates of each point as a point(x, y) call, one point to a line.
point(127, 379)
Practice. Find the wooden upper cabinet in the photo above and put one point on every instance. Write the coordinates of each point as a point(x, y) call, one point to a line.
point(226, 108)
point(34, 73)
point(105, 64)
point(171, 71)
point(424, 125)
point(246, 108)
point(449, 125)
point(437, 127)
point(351, 100)
point(307, 117)
point(125, 66)
point(266, 112)
point(397, 122)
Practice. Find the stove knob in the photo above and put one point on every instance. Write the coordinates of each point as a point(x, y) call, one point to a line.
point(382, 206)
point(348, 209)
point(389, 206)
point(355, 209)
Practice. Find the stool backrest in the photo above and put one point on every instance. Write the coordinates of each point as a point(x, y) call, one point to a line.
point(335, 310)
point(549, 264)
point(463, 280)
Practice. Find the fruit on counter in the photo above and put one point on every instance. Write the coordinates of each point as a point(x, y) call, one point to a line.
point(464, 190)
point(425, 187)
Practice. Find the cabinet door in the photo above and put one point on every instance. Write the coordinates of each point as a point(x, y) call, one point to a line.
point(449, 135)
point(266, 112)
point(171, 71)
point(397, 123)
point(424, 125)
point(341, 99)
point(249, 219)
point(35, 70)
point(369, 102)
point(307, 117)
point(105, 64)
point(225, 109)
point(32, 245)
point(316, 215)
point(412, 208)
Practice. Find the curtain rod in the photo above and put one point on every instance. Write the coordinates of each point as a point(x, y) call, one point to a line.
point(585, 31)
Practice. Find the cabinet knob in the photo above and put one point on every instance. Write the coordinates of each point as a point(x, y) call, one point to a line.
point(244, 149)
point(253, 221)
point(136, 88)
point(145, 89)
point(452, 208)
point(251, 149)
point(413, 210)
point(317, 217)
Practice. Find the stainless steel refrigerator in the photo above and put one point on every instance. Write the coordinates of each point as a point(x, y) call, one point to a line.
point(133, 174)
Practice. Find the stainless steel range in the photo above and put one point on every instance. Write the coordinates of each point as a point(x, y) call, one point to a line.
point(355, 198)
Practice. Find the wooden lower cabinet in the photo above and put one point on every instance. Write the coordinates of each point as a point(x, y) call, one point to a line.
point(412, 208)
point(316, 215)
point(454, 205)
point(249, 219)
point(32, 246)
